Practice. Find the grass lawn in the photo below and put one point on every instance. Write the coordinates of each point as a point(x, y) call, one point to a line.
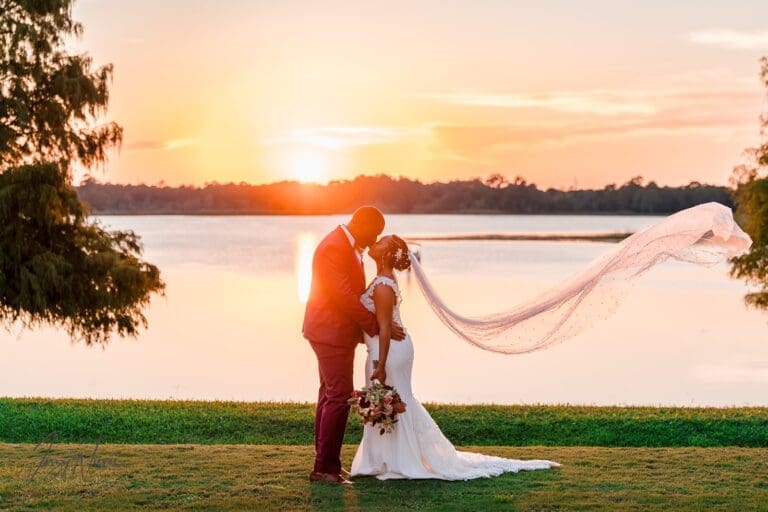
point(274, 477)
point(188, 455)
point(179, 422)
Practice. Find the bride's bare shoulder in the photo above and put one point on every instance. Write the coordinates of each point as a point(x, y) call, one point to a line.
point(387, 292)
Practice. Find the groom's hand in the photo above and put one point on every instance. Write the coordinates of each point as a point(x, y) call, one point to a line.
point(398, 333)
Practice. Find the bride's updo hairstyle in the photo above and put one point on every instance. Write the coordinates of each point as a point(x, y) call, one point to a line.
point(400, 258)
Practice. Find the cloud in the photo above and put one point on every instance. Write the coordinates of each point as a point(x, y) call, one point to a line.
point(720, 111)
point(603, 103)
point(161, 144)
point(479, 140)
point(496, 124)
point(340, 137)
point(733, 39)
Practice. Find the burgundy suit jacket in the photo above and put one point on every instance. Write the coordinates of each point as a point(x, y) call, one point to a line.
point(334, 313)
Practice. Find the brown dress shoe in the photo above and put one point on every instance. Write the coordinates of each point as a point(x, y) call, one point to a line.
point(328, 478)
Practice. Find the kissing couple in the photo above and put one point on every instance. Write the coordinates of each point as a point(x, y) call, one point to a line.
point(343, 311)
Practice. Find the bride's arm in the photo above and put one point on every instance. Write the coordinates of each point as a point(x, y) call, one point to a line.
point(384, 300)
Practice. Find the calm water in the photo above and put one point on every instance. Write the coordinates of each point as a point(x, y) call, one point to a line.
point(230, 325)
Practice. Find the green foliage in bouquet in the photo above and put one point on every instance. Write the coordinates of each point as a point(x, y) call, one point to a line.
point(56, 266)
point(751, 198)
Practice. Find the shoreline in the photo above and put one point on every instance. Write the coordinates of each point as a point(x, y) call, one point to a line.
point(174, 213)
point(519, 237)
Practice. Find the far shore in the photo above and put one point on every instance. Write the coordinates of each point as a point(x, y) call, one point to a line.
point(233, 213)
point(517, 237)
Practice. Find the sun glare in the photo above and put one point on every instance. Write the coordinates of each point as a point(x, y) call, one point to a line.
point(309, 168)
point(304, 251)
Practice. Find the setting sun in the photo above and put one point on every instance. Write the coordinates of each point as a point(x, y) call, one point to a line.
point(308, 167)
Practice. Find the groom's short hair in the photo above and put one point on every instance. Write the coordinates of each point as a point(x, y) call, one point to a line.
point(368, 216)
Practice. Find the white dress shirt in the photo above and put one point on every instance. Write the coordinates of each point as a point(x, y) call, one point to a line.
point(351, 239)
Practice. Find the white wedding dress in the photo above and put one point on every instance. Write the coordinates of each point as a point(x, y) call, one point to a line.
point(416, 448)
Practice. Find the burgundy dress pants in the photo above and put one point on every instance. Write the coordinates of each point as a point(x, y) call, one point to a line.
point(332, 411)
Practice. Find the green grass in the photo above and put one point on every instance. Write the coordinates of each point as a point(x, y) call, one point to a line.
point(178, 422)
point(184, 455)
point(265, 477)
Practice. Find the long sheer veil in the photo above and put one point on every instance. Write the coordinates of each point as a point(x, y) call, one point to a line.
point(705, 234)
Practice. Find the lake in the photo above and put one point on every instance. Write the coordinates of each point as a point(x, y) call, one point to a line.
point(229, 327)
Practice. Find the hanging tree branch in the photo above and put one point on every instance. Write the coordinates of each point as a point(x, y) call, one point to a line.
point(56, 266)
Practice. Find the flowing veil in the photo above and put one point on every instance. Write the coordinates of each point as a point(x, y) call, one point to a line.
point(705, 234)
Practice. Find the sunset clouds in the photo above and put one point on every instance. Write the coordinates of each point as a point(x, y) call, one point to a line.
point(340, 137)
point(607, 103)
point(161, 144)
point(637, 113)
point(740, 40)
point(608, 115)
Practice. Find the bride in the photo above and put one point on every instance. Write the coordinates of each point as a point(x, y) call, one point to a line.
point(416, 448)
point(706, 234)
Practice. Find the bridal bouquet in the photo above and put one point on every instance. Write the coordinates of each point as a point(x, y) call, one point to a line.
point(378, 404)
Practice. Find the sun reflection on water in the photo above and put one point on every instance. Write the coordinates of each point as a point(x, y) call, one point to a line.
point(305, 248)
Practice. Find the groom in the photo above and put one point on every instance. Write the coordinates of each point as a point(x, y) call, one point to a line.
point(334, 322)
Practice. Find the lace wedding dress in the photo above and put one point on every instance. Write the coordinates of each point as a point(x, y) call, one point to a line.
point(416, 448)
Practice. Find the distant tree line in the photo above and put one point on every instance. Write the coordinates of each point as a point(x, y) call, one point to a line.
point(495, 194)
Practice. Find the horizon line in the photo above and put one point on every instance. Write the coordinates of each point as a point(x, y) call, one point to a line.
point(90, 179)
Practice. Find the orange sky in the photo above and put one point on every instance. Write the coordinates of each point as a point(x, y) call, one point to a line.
point(563, 95)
